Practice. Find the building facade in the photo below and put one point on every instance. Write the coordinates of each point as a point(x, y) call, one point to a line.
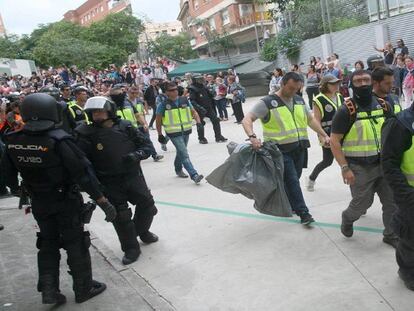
point(246, 22)
point(154, 30)
point(95, 10)
point(388, 8)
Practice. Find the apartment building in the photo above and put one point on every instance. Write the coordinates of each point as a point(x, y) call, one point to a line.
point(245, 21)
point(95, 10)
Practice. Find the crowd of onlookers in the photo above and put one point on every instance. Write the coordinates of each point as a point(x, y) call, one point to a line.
point(396, 58)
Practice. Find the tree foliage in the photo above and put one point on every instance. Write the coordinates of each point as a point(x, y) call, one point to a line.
point(172, 46)
point(108, 41)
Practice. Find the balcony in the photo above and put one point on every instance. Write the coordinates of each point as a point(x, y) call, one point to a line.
point(255, 17)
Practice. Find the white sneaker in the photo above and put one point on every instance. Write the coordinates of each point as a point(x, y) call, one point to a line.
point(310, 184)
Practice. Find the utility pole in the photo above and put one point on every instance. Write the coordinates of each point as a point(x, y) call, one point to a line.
point(323, 15)
point(379, 10)
point(329, 16)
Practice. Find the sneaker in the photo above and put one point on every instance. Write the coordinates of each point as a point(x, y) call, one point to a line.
point(221, 139)
point(408, 281)
point(310, 184)
point(225, 119)
point(181, 174)
point(149, 237)
point(158, 157)
point(164, 147)
point(203, 141)
point(197, 178)
point(391, 240)
point(306, 219)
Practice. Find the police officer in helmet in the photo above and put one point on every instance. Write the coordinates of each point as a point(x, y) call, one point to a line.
point(67, 122)
point(115, 147)
point(53, 168)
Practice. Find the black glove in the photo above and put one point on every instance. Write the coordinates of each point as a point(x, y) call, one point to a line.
point(109, 211)
point(162, 139)
point(135, 156)
point(200, 126)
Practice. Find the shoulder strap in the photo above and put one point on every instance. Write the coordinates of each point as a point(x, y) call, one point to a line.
point(350, 105)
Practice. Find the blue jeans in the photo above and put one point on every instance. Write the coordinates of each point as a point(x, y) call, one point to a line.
point(293, 162)
point(182, 158)
point(221, 106)
point(147, 135)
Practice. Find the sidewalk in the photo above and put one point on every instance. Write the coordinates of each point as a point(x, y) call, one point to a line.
point(126, 290)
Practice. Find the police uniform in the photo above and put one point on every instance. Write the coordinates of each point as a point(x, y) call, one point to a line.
point(202, 101)
point(398, 166)
point(110, 151)
point(287, 126)
point(327, 108)
point(361, 145)
point(51, 166)
point(76, 113)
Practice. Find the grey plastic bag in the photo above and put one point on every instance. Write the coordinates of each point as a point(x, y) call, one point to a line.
point(257, 175)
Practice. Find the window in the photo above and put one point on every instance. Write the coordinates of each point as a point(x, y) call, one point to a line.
point(173, 30)
point(225, 17)
point(164, 31)
point(101, 8)
point(245, 9)
point(212, 23)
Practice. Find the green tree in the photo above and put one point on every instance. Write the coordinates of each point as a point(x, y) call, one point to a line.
point(172, 46)
point(9, 47)
point(119, 30)
point(222, 42)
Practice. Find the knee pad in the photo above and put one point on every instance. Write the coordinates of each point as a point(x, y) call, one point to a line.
point(71, 236)
point(124, 215)
point(148, 209)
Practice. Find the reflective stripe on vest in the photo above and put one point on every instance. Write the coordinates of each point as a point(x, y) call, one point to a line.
point(285, 126)
point(407, 164)
point(72, 106)
point(177, 119)
point(318, 103)
point(364, 137)
point(127, 114)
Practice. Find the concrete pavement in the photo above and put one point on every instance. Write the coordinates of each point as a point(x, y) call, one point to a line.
point(18, 272)
point(217, 253)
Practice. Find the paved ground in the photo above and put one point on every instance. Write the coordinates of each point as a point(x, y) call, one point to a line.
point(18, 272)
point(217, 253)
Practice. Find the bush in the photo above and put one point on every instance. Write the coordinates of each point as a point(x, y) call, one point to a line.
point(269, 51)
point(288, 43)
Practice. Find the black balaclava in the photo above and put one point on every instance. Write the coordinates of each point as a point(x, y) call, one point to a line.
point(362, 95)
point(119, 98)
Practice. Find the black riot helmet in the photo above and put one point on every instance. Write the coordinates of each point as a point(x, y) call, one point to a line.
point(198, 80)
point(98, 103)
point(51, 90)
point(375, 61)
point(40, 112)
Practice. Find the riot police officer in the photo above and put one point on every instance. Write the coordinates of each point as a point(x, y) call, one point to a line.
point(67, 124)
point(202, 101)
point(115, 147)
point(51, 166)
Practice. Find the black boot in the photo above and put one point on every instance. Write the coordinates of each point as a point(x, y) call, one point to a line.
point(1, 227)
point(131, 256)
point(49, 286)
point(86, 289)
point(148, 237)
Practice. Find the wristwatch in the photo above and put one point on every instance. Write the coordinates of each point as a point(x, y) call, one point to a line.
point(345, 168)
point(253, 136)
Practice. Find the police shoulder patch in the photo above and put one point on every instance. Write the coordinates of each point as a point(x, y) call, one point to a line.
point(168, 106)
point(328, 108)
point(274, 103)
point(99, 146)
point(78, 112)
